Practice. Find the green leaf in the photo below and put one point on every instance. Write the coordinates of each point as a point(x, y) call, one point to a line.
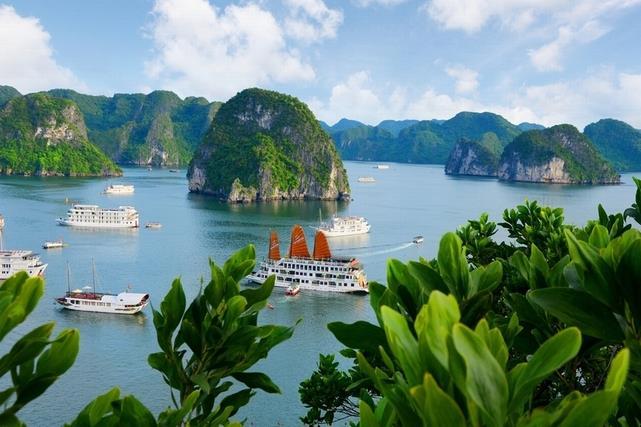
point(434, 324)
point(438, 408)
point(403, 344)
point(618, 371)
point(134, 413)
point(257, 380)
point(551, 355)
point(578, 308)
point(599, 237)
point(592, 411)
point(58, 358)
point(237, 400)
point(485, 381)
point(367, 417)
point(453, 266)
point(262, 293)
point(359, 335)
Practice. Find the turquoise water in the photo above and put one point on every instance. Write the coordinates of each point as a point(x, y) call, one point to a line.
point(405, 201)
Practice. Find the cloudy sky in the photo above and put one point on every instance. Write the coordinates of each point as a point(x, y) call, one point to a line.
point(544, 61)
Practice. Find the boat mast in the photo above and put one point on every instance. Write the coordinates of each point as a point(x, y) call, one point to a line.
point(1, 228)
point(68, 280)
point(93, 271)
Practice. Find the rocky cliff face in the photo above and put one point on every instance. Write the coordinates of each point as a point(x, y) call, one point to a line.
point(471, 158)
point(43, 136)
point(560, 154)
point(158, 129)
point(263, 146)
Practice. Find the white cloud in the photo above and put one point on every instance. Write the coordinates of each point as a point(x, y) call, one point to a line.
point(578, 102)
point(202, 50)
point(548, 57)
point(27, 61)
point(572, 21)
point(466, 78)
point(311, 20)
point(365, 3)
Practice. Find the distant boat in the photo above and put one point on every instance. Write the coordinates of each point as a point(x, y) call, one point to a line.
point(173, 170)
point(13, 261)
point(87, 299)
point(344, 226)
point(153, 225)
point(292, 291)
point(417, 239)
point(317, 272)
point(53, 245)
point(366, 179)
point(119, 189)
point(148, 168)
point(381, 167)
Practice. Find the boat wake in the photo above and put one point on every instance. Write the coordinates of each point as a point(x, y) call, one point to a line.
point(363, 251)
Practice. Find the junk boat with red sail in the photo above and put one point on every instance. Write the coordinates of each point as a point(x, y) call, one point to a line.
point(319, 271)
point(87, 299)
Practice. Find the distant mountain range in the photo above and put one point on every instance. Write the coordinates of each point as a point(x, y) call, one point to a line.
point(432, 141)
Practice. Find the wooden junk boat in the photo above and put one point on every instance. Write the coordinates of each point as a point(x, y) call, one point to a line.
point(319, 271)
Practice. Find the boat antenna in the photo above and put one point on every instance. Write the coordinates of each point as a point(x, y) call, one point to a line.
point(1, 229)
point(68, 280)
point(93, 271)
point(320, 216)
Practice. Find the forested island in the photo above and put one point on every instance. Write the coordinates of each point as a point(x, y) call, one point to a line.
point(264, 145)
point(45, 136)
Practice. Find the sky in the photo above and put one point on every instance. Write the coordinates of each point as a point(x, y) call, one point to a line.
point(541, 61)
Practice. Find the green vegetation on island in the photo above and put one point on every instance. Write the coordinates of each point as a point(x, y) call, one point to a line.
point(265, 145)
point(7, 93)
point(473, 158)
point(154, 129)
point(427, 141)
point(41, 135)
point(560, 154)
point(618, 142)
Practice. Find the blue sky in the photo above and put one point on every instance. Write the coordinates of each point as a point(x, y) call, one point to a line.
point(546, 61)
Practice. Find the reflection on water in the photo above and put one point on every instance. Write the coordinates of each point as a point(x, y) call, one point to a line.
point(102, 320)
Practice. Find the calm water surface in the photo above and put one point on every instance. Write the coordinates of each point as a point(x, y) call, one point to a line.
point(405, 201)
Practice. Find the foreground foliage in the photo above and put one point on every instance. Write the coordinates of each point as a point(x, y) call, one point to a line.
point(540, 330)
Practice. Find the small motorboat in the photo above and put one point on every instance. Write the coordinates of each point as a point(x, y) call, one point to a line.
point(53, 245)
point(417, 239)
point(153, 225)
point(366, 179)
point(173, 170)
point(292, 291)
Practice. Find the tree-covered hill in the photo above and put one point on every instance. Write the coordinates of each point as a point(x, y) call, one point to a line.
point(155, 129)
point(618, 142)
point(7, 93)
point(42, 135)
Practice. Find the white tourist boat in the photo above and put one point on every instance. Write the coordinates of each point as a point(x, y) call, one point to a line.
point(344, 226)
point(95, 216)
point(119, 189)
point(381, 167)
point(153, 225)
point(87, 299)
point(318, 272)
point(366, 179)
point(14, 261)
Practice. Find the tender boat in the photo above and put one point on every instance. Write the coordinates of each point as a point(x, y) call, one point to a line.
point(153, 225)
point(53, 245)
point(87, 299)
point(319, 272)
point(344, 226)
point(292, 291)
point(119, 189)
point(381, 167)
point(366, 179)
point(96, 217)
point(173, 170)
point(417, 239)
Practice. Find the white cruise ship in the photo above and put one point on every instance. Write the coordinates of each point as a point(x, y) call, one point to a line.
point(95, 216)
point(119, 189)
point(11, 262)
point(345, 226)
point(366, 179)
point(318, 272)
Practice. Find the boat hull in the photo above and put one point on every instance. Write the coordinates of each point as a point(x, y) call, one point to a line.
point(88, 307)
point(67, 223)
point(329, 233)
point(309, 287)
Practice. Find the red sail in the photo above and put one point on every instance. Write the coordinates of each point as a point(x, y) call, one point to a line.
point(298, 245)
point(321, 247)
point(274, 248)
